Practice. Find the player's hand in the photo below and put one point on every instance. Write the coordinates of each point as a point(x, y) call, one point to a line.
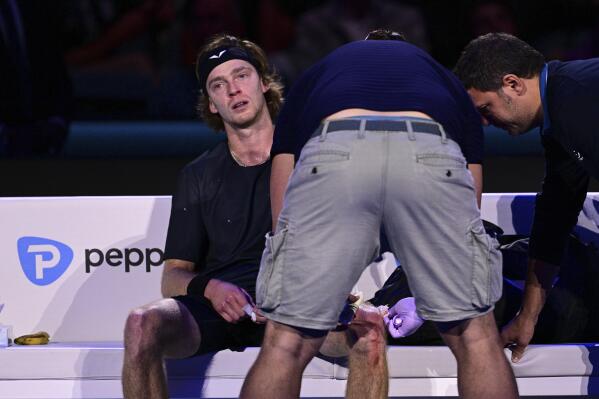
point(252, 311)
point(516, 335)
point(228, 300)
point(260, 319)
point(402, 319)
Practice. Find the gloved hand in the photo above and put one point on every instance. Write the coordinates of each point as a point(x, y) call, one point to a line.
point(402, 319)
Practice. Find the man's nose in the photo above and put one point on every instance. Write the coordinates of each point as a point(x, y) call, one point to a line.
point(485, 121)
point(234, 89)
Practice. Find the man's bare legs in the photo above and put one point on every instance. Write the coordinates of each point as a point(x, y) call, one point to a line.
point(162, 329)
point(277, 372)
point(483, 370)
point(368, 373)
point(285, 353)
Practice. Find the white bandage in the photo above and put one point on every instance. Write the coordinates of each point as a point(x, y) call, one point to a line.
point(248, 310)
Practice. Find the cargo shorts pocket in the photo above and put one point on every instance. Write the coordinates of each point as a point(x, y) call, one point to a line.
point(487, 267)
point(269, 281)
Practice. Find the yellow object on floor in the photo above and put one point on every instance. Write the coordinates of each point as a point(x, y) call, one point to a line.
point(38, 338)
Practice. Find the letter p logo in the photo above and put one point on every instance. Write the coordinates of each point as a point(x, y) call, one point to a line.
point(43, 261)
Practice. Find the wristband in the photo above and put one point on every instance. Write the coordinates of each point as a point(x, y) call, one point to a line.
point(197, 286)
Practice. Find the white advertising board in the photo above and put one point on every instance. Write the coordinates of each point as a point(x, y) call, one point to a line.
point(514, 214)
point(75, 266)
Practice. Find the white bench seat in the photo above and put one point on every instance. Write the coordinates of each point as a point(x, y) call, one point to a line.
point(93, 370)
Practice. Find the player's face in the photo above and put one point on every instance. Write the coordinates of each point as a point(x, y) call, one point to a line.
point(236, 93)
point(499, 109)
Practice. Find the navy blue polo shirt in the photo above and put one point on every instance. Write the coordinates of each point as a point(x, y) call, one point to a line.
point(571, 102)
point(570, 97)
point(378, 75)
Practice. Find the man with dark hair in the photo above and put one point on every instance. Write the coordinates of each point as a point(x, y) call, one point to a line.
point(384, 34)
point(219, 216)
point(513, 88)
point(382, 134)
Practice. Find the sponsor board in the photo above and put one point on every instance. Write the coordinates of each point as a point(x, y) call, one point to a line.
point(75, 266)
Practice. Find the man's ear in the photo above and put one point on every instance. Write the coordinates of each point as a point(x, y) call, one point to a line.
point(514, 84)
point(211, 106)
point(264, 85)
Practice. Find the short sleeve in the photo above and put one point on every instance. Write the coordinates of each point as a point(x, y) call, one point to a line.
point(289, 131)
point(186, 238)
point(473, 143)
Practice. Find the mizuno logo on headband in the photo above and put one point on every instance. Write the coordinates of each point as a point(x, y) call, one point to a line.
point(218, 56)
point(206, 63)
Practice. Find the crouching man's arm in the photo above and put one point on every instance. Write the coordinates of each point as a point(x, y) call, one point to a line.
point(282, 166)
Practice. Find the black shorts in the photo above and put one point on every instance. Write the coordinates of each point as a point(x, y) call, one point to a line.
point(217, 333)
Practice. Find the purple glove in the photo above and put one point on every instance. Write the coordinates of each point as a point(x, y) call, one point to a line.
point(402, 319)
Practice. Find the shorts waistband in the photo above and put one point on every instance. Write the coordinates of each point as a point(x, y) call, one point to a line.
point(390, 125)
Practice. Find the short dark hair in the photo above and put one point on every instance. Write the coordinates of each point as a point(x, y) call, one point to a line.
point(274, 95)
point(488, 58)
point(385, 34)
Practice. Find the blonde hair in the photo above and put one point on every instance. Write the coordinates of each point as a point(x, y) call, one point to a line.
point(274, 95)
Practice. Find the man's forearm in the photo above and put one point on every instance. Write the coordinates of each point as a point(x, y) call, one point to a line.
point(176, 277)
point(476, 170)
point(539, 280)
point(282, 166)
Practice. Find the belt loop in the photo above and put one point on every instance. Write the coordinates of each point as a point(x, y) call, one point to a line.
point(443, 134)
point(323, 134)
point(361, 132)
point(410, 129)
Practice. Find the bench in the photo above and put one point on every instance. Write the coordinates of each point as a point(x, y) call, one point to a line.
point(114, 265)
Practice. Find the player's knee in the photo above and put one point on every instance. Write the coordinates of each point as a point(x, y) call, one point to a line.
point(292, 344)
point(466, 334)
point(141, 331)
point(368, 321)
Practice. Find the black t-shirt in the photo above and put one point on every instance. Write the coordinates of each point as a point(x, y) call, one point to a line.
point(220, 214)
point(378, 75)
